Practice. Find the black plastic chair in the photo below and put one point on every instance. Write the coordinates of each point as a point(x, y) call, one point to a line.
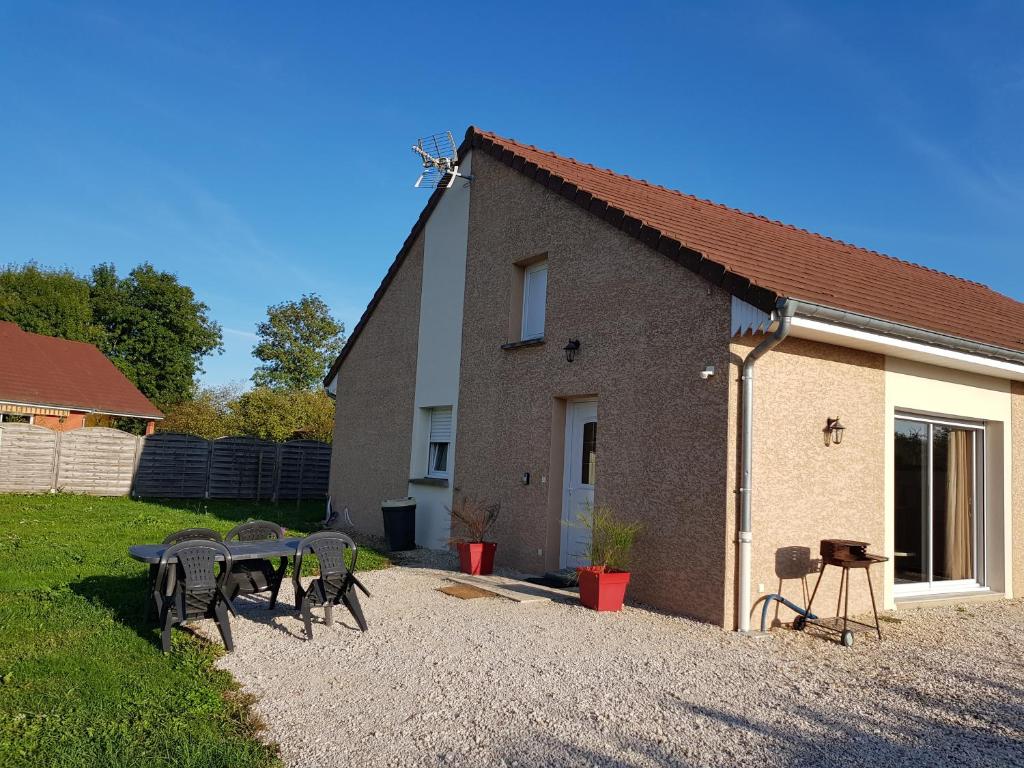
point(255, 530)
point(336, 582)
point(251, 576)
point(191, 588)
point(192, 534)
point(188, 534)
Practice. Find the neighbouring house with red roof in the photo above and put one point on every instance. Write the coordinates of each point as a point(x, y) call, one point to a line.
point(553, 335)
point(63, 384)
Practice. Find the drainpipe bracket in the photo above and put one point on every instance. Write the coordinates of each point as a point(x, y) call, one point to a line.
point(745, 537)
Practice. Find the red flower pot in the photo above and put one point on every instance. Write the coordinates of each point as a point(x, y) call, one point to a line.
point(476, 557)
point(600, 589)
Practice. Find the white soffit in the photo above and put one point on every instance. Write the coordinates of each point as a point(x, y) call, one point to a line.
point(748, 319)
point(815, 330)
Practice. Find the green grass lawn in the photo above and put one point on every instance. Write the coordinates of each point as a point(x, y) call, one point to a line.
point(82, 678)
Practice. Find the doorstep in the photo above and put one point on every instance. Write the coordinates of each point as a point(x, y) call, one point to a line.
point(513, 589)
point(948, 598)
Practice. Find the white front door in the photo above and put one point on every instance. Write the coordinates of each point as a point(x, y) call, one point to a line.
point(579, 475)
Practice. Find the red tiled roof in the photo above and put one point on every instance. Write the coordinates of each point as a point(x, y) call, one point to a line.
point(755, 258)
point(780, 259)
point(43, 370)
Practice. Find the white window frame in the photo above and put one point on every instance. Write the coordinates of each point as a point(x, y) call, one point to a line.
point(528, 272)
point(434, 433)
point(980, 581)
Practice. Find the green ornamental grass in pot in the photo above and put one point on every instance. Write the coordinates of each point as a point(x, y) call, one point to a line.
point(603, 582)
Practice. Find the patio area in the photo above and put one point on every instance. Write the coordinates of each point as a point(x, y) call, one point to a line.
point(440, 680)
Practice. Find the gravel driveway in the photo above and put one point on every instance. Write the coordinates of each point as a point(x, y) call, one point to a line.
point(489, 682)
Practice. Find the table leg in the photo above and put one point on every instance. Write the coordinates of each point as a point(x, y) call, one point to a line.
point(815, 592)
point(152, 603)
point(839, 597)
point(279, 578)
point(846, 605)
point(874, 608)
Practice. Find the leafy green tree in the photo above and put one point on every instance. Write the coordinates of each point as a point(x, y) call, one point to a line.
point(209, 414)
point(50, 302)
point(280, 414)
point(298, 342)
point(155, 330)
point(148, 324)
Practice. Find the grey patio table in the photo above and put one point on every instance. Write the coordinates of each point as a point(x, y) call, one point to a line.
point(240, 550)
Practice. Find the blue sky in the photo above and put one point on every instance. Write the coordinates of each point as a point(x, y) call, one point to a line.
point(261, 150)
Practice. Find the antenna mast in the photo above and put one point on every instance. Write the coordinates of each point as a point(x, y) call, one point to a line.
point(440, 158)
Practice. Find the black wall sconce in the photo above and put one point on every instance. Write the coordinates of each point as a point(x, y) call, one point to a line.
point(834, 431)
point(571, 349)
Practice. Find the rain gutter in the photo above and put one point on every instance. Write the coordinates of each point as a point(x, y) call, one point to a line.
point(785, 311)
point(891, 329)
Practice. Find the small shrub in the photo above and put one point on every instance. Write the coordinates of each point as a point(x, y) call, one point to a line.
point(474, 517)
point(611, 539)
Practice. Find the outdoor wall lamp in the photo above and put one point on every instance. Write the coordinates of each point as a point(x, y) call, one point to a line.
point(834, 431)
point(571, 349)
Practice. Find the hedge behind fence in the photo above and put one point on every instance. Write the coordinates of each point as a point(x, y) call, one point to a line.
point(107, 462)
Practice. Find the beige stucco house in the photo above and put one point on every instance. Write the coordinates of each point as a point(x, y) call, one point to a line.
point(457, 381)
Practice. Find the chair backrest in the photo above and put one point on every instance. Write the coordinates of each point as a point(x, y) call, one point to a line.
point(255, 530)
point(192, 534)
point(196, 574)
point(330, 548)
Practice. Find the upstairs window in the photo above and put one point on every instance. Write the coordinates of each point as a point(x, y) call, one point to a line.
point(535, 288)
point(439, 459)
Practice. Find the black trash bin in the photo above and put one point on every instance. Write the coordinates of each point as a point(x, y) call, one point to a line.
point(400, 523)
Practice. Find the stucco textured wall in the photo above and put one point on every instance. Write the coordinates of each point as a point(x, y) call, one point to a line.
point(374, 414)
point(803, 490)
point(647, 328)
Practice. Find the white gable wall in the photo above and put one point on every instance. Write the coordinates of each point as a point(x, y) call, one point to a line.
point(446, 237)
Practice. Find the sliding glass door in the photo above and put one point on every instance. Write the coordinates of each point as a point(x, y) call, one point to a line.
point(939, 523)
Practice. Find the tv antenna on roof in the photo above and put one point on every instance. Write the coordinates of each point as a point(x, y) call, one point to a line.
point(440, 158)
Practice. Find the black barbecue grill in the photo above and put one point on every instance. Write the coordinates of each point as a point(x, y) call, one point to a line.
point(845, 555)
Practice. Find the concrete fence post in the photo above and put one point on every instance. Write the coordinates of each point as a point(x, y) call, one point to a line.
point(259, 474)
point(277, 473)
point(55, 482)
point(139, 447)
point(209, 467)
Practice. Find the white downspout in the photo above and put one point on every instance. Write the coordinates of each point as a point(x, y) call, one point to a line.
point(786, 308)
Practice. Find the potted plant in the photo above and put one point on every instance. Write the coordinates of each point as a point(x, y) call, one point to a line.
point(474, 518)
point(603, 582)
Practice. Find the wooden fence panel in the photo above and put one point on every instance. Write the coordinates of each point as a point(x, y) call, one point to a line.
point(242, 468)
point(107, 462)
point(304, 470)
point(27, 454)
point(173, 465)
point(96, 460)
